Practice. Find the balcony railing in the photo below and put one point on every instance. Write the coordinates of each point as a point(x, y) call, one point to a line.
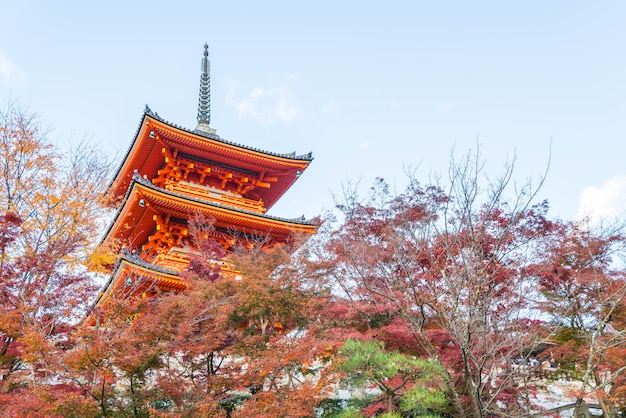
point(215, 195)
point(177, 259)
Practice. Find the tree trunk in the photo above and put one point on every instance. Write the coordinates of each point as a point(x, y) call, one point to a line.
point(608, 408)
point(581, 410)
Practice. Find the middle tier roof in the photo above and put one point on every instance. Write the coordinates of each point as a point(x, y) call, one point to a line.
point(135, 218)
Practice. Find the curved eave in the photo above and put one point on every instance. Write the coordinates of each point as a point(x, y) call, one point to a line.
point(134, 223)
point(150, 275)
point(144, 156)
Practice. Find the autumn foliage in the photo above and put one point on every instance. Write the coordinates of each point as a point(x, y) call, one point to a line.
point(50, 219)
point(428, 302)
point(481, 279)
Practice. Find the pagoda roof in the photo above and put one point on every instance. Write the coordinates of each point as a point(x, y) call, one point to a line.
point(128, 265)
point(144, 156)
point(144, 199)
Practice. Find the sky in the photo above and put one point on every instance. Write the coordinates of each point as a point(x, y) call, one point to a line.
point(369, 87)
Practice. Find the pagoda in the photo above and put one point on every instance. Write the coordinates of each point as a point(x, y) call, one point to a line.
point(171, 175)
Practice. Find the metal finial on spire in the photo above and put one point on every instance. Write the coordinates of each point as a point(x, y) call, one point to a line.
point(204, 102)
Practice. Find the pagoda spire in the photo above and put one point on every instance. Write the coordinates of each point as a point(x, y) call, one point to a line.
point(204, 101)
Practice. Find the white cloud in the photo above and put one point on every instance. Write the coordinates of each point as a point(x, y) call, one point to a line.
point(9, 71)
point(267, 105)
point(364, 145)
point(604, 202)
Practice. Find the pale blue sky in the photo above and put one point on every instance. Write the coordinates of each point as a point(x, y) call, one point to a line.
point(367, 86)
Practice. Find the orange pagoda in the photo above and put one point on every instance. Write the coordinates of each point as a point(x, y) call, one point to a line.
point(170, 175)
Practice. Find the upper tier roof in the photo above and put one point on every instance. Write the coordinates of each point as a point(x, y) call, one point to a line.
point(144, 156)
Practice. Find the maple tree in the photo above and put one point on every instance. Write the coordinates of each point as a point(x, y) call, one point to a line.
point(584, 284)
point(444, 272)
point(272, 318)
point(223, 347)
point(50, 217)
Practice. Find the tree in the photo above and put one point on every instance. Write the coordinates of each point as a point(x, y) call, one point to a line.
point(584, 285)
point(225, 346)
point(449, 268)
point(275, 311)
point(50, 219)
point(408, 384)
